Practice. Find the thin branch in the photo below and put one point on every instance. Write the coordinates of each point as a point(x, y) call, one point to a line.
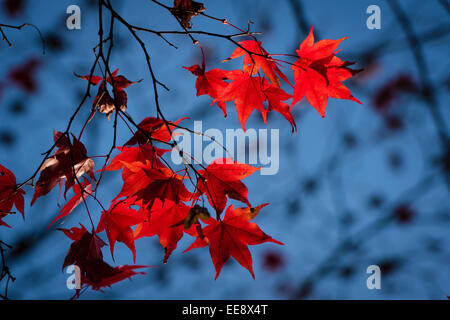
point(5, 38)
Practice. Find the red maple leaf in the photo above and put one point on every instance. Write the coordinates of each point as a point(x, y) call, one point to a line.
point(210, 82)
point(9, 194)
point(231, 236)
point(75, 200)
point(148, 183)
point(117, 222)
point(141, 153)
point(163, 219)
point(221, 179)
point(255, 58)
point(154, 128)
point(275, 97)
point(319, 73)
point(250, 93)
point(68, 158)
point(246, 92)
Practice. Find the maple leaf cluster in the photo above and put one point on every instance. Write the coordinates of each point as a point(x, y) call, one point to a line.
point(318, 74)
point(155, 200)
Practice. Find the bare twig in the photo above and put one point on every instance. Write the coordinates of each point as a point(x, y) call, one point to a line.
point(5, 38)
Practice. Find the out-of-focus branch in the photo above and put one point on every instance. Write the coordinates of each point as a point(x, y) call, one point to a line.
point(5, 273)
point(394, 44)
point(446, 5)
point(303, 23)
point(355, 240)
point(428, 90)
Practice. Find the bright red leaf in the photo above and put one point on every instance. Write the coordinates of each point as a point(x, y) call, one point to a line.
point(230, 238)
point(148, 183)
point(117, 222)
point(275, 97)
point(141, 153)
point(210, 82)
point(222, 180)
point(249, 93)
point(163, 219)
point(255, 58)
point(246, 91)
point(318, 73)
point(154, 128)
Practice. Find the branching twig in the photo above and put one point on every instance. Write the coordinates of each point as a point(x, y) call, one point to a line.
point(5, 38)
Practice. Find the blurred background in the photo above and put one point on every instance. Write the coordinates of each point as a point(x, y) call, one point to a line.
point(367, 185)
